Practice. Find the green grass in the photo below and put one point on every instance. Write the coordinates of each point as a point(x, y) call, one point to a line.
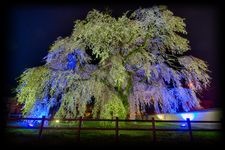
point(61, 137)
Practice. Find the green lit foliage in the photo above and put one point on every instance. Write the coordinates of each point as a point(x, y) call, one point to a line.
point(106, 35)
point(195, 72)
point(162, 29)
point(113, 108)
point(117, 72)
point(32, 86)
point(141, 63)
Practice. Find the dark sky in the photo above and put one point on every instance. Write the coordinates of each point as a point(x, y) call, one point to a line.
point(31, 29)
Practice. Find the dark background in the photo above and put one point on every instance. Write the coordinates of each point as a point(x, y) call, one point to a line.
point(30, 28)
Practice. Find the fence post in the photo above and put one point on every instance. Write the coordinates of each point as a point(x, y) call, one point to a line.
point(79, 128)
point(41, 127)
point(117, 129)
point(189, 128)
point(153, 131)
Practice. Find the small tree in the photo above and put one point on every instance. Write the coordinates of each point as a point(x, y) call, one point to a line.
point(121, 66)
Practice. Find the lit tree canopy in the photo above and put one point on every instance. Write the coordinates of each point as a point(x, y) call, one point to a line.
point(118, 66)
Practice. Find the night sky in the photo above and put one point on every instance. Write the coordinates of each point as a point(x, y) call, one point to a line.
point(31, 29)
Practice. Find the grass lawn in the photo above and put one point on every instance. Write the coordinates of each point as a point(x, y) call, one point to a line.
point(88, 137)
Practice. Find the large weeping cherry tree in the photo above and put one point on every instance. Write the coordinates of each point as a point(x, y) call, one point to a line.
point(116, 67)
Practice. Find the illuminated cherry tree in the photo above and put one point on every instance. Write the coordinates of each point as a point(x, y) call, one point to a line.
point(116, 67)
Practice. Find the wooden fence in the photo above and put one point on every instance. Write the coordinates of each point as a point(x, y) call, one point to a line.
point(153, 128)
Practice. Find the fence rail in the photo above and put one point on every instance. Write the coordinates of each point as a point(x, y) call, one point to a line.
point(116, 128)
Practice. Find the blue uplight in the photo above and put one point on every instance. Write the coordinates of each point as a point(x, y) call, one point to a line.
point(183, 125)
point(191, 116)
point(30, 125)
point(71, 64)
point(41, 108)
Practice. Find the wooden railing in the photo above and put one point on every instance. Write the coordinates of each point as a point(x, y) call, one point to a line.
point(153, 128)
